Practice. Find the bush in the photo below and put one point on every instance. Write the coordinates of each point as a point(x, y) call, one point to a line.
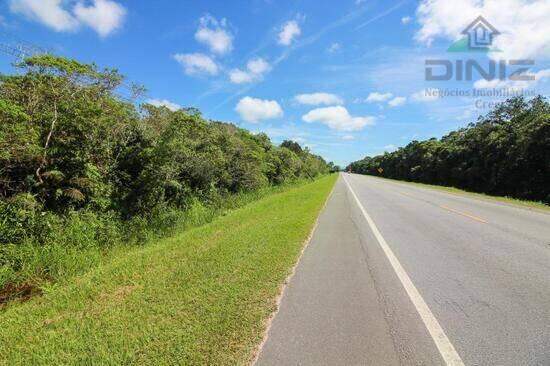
point(82, 171)
point(504, 153)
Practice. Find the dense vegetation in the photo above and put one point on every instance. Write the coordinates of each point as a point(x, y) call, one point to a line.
point(505, 153)
point(82, 170)
point(200, 297)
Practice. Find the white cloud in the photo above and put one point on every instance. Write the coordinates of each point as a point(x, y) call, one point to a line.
point(348, 137)
point(254, 110)
point(514, 85)
point(337, 118)
point(426, 95)
point(164, 103)
point(498, 84)
point(524, 25)
point(258, 66)
point(103, 16)
point(389, 148)
point(397, 101)
point(489, 84)
point(197, 63)
point(289, 31)
point(386, 97)
point(238, 76)
point(214, 34)
point(333, 47)
point(318, 99)
point(297, 139)
point(255, 70)
point(406, 20)
point(378, 97)
point(47, 12)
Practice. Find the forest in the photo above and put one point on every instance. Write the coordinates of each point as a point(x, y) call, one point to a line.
point(504, 153)
point(83, 170)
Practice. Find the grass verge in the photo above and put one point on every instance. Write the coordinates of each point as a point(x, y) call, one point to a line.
point(507, 200)
point(200, 297)
point(62, 247)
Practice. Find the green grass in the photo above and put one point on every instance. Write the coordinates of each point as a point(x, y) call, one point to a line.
point(62, 247)
point(198, 298)
point(453, 190)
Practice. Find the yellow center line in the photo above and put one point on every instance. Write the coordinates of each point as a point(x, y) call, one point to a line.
point(407, 194)
point(450, 209)
point(463, 214)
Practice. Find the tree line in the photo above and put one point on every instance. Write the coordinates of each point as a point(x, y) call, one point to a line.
point(504, 153)
point(78, 164)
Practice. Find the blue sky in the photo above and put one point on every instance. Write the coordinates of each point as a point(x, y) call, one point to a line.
point(345, 78)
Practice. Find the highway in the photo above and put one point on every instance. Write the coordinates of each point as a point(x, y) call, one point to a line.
point(397, 274)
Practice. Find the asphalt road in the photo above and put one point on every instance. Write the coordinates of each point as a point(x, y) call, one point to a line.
point(402, 275)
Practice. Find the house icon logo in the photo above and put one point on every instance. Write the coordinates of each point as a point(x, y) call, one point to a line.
point(478, 37)
point(480, 33)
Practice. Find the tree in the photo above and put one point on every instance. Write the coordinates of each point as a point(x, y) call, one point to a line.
point(292, 146)
point(505, 152)
point(72, 124)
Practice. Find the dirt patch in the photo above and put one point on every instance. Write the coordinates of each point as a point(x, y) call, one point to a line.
point(21, 292)
point(123, 291)
point(53, 320)
point(118, 294)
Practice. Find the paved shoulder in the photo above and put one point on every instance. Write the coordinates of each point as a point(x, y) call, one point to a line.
point(331, 313)
point(479, 270)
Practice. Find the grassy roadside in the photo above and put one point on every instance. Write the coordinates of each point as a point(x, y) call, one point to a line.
point(197, 298)
point(482, 196)
point(83, 240)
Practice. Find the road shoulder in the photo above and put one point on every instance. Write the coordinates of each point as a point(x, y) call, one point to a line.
point(330, 312)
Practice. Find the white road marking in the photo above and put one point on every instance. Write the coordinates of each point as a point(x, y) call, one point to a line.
point(444, 345)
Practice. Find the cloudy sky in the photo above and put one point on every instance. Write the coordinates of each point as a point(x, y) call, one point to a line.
point(345, 78)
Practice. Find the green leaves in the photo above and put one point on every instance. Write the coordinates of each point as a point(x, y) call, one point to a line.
point(54, 176)
point(74, 194)
point(505, 153)
point(60, 64)
point(81, 170)
point(69, 142)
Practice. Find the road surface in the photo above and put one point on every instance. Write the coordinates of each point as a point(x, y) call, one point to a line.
point(397, 274)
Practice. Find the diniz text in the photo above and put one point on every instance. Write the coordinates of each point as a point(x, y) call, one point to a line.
point(445, 70)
